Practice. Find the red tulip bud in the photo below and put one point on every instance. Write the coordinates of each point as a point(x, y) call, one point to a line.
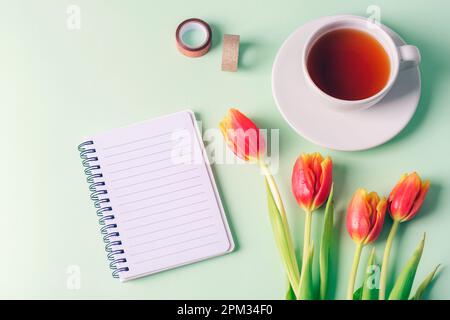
point(242, 136)
point(365, 216)
point(407, 197)
point(312, 177)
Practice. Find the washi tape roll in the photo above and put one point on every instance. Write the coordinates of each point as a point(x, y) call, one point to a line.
point(188, 26)
point(230, 53)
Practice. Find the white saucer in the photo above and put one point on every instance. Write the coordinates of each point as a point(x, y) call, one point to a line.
point(347, 130)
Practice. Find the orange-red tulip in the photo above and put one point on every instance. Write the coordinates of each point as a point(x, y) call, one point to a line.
point(407, 197)
point(365, 216)
point(404, 203)
point(312, 178)
point(246, 140)
point(242, 136)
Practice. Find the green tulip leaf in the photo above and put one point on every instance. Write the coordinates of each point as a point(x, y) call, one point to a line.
point(357, 295)
point(425, 284)
point(280, 234)
point(325, 245)
point(290, 294)
point(307, 289)
point(403, 285)
point(369, 290)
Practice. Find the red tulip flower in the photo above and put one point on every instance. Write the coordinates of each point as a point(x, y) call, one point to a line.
point(365, 219)
point(242, 136)
point(312, 178)
point(404, 203)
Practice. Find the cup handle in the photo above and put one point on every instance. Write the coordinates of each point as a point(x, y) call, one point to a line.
point(409, 56)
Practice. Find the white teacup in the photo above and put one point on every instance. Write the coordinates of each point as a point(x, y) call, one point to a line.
point(400, 57)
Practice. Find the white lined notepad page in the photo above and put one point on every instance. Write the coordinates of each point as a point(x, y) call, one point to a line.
point(163, 195)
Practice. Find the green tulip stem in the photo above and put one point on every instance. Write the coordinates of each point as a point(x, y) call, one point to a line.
point(273, 187)
point(293, 272)
point(306, 245)
point(387, 252)
point(351, 281)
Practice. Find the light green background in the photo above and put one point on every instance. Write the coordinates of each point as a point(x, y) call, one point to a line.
point(57, 86)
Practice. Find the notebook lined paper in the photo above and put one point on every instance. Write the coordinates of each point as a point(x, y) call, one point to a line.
point(163, 197)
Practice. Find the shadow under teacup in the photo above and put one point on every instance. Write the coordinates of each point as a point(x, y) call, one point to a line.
point(352, 63)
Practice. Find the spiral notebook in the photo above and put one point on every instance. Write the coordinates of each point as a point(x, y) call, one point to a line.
point(155, 196)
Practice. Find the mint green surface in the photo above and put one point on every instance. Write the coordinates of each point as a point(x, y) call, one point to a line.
point(58, 86)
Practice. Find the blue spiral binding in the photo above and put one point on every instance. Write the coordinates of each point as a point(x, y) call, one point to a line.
point(104, 211)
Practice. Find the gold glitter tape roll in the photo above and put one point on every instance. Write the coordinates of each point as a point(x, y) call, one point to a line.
point(230, 53)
